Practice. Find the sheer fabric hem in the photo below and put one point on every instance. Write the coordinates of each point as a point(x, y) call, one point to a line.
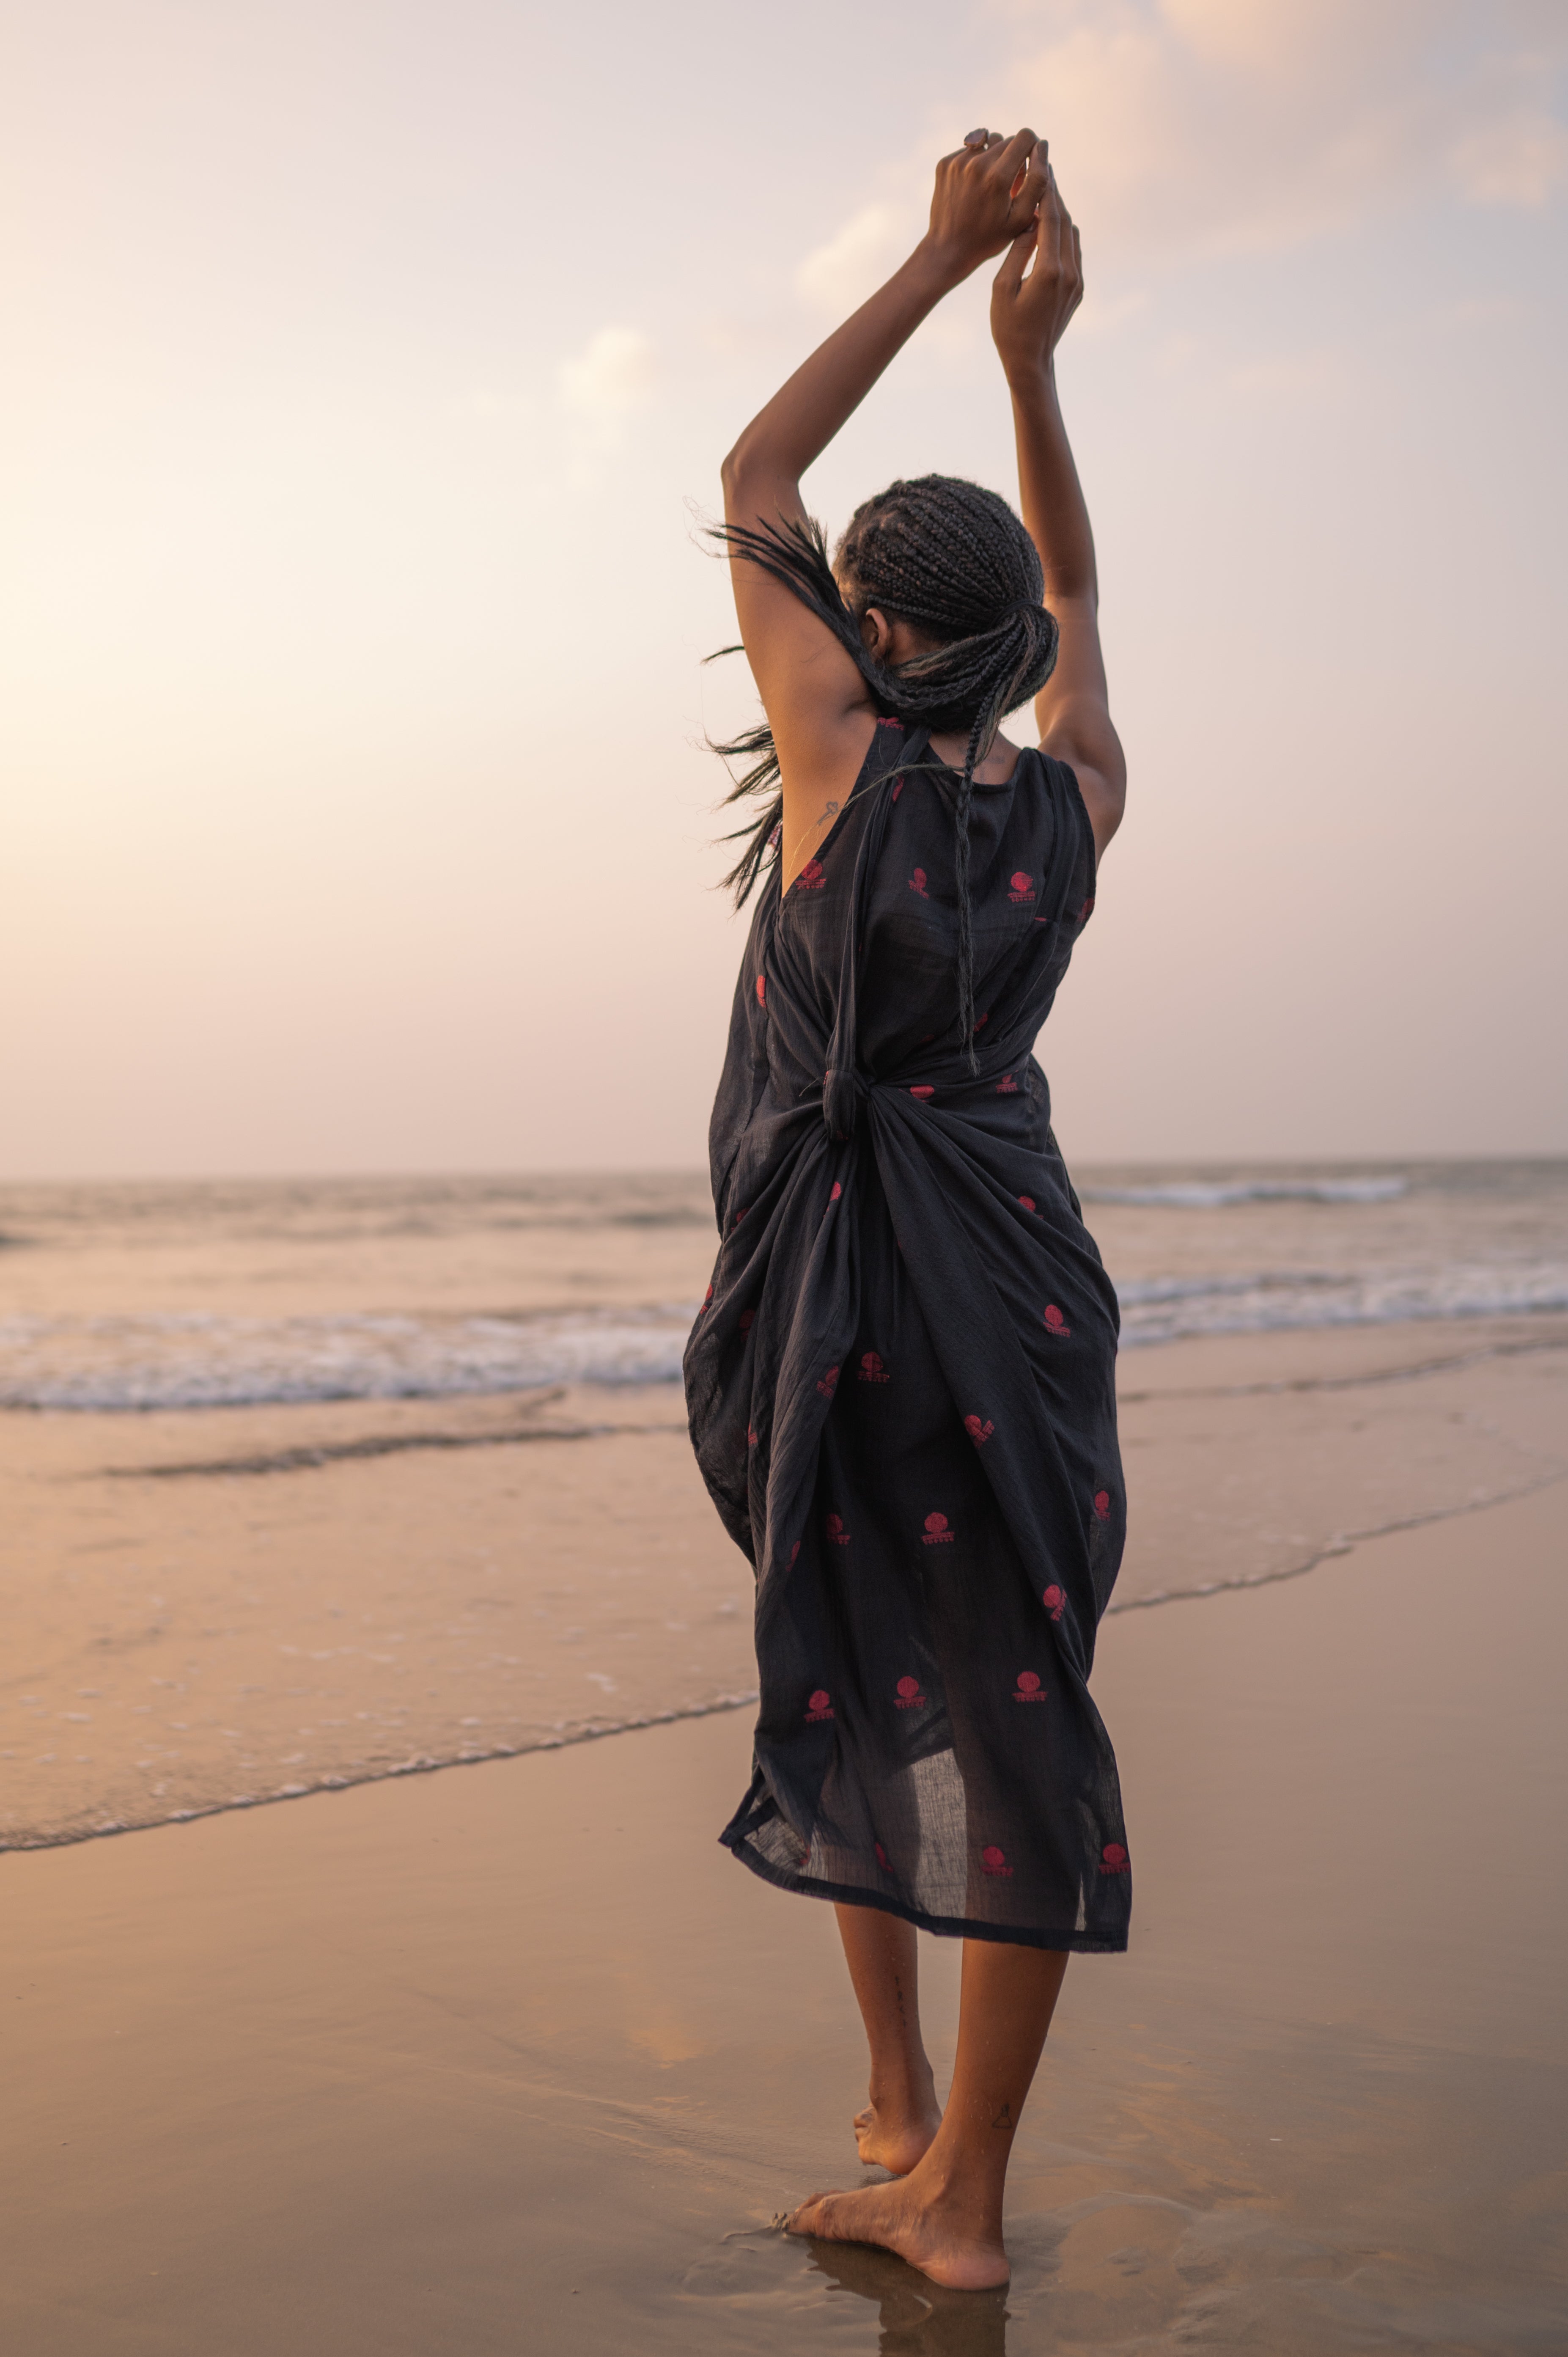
point(946, 1927)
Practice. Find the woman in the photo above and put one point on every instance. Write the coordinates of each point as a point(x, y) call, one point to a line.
point(900, 1384)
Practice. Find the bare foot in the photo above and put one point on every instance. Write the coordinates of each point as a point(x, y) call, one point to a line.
point(897, 2141)
point(922, 2226)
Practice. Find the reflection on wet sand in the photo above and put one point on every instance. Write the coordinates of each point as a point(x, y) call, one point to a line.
point(917, 2318)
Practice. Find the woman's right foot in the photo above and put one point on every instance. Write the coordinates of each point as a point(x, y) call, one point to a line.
point(897, 2141)
point(946, 2240)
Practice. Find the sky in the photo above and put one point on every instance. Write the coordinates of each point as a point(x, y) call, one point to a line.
point(369, 367)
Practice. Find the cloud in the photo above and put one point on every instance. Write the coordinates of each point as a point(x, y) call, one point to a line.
point(602, 385)
point(1234, 124)
point(840, 275)
point(1182, 128)
point(1521, 159)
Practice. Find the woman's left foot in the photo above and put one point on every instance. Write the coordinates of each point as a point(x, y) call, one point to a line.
point(927, 2231)
point(893, 2144)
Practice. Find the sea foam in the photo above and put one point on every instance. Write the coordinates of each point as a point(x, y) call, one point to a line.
point(120, 1364)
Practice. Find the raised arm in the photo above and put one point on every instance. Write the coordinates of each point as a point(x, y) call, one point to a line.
point(1030, 308)
point(815, 697)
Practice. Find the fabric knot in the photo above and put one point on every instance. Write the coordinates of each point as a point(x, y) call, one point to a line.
point(842, 1091)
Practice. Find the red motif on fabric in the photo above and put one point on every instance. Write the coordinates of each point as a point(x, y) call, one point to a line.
point(1056, 1323)
point(1113, 1859)
point(1027, 1688)
point(978, 1433)
point(837, 1191)
point(1055, 1600)
point(762, 990)
point(936, 1532)
point(908, 1696)
point(917, 883)
point(993, 1861)
point(882, 1857)
point(922, 1090)
point(836, 1531)
point(872, 1370)
point(1006, 1086)
point(820, 1707)
point(706, 1298)
point(1027, 1201)
point(1021, 889)
point(829, 1383)
point(811, 878)
point(1102, 1505)
point(751, 1437)
point(1087, 910)
point(898, 787)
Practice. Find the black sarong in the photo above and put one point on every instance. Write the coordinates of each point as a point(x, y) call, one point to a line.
point(901, 1384)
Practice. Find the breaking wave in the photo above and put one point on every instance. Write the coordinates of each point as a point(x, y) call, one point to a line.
point(1216, 1194)
point(190, 1360)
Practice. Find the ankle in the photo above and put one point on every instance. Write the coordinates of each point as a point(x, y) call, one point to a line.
point(965, 2184)
point(907, 2091)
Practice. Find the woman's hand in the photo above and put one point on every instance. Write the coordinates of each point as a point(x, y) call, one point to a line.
point(1029, 314)
point(818, 704)
point(985, 198)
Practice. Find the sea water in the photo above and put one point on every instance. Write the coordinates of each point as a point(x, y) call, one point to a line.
point(241, 1560)
point(226, 1294)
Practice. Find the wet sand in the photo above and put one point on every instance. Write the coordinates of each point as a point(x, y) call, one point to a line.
point(515, 2059)
point(211, 1607)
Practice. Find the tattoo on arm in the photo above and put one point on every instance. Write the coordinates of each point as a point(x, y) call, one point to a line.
point(1004, 2118)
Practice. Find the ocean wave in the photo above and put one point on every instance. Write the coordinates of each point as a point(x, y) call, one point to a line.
point(113, 1365)
point(1217, 1194)
point(1174, 1309)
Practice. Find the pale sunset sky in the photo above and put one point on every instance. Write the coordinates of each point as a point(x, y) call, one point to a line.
point(366, 363)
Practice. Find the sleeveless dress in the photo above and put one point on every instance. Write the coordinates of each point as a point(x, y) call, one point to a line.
point(901, 1382)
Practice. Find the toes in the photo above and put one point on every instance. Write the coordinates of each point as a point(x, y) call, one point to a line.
point(806, 2220)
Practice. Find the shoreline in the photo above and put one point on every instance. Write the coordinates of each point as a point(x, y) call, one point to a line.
point(313, 1599)
point(1345, 1545)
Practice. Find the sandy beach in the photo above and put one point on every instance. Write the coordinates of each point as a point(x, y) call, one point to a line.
point(513, 2057)
point(207, 1610)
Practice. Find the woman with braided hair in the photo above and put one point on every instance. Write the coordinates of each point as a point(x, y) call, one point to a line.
point(901, 1382)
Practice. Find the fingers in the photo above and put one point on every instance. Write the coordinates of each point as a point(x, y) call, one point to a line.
point(1028, 189)
point(1009, 279)
point(1045, 251)
point(1007, 163)
point(995, 150)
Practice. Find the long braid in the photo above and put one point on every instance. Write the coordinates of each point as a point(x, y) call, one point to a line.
point(953, 559)
point(966, 1024)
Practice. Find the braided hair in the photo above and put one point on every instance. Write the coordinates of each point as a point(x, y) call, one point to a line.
point(954, 560)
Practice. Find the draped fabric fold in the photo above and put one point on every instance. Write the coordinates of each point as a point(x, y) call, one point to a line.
point(901, 1384)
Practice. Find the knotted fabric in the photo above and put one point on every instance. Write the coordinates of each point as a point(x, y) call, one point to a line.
point(901, 1382)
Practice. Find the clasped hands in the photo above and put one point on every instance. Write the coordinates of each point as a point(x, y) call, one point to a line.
point(999, 196)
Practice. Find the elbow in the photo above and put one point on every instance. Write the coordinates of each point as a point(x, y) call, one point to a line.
point(740, 461)
point(753, 479)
